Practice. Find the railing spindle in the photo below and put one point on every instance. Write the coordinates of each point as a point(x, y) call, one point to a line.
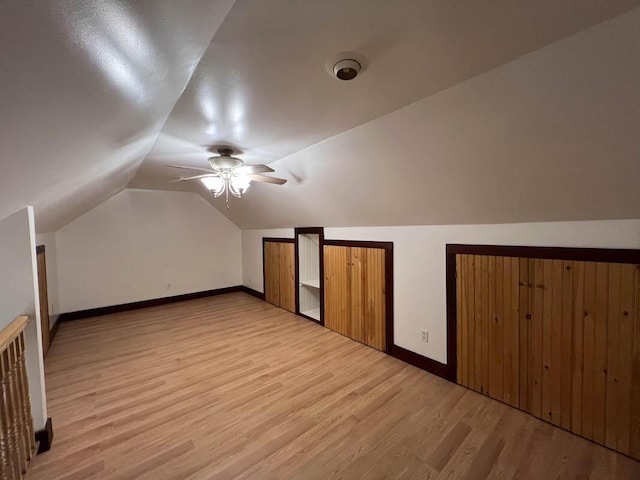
point(17, 442)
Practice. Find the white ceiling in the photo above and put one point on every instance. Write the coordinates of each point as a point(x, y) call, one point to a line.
point(86, 86)
point(551, 136)
point(91, 88)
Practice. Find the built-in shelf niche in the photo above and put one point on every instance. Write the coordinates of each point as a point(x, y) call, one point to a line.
point(309, 264)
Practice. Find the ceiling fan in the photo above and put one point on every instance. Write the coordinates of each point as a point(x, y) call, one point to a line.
point(229, 174)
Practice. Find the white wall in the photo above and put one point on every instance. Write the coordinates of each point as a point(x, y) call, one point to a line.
point(419, 263)
point(19, 296)
point(49, 242)
point(252, 275)
point(145, 244)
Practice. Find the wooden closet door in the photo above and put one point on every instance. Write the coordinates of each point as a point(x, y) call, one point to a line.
point(337, 288)
point(556, 338)
point(287, 287)
point(372, 304)
point(354, 293)
point(44, 299)
point(272, 272)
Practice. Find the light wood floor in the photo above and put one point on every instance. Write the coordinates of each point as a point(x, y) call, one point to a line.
point(231, 387)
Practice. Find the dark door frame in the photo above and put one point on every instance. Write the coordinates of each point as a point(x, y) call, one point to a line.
point(313, 231)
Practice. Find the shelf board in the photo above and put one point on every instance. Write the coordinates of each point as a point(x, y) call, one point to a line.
point(311, 283)
point(313, 313)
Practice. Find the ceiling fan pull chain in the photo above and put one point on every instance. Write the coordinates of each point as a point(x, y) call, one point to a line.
point(227, 196)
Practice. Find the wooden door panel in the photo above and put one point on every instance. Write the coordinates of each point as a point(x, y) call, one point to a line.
point(374, 298)
point(337, 310)
point(272, 272)
point(357, 266)
point(44, 300)
point(634, 441)
point(354, 293)
point(287, 277)
point(558, 339)
point(510, 331)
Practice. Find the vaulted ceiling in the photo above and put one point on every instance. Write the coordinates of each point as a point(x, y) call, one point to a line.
point(468, 112)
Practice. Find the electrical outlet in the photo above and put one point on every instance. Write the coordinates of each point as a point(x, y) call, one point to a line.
point(424, 336)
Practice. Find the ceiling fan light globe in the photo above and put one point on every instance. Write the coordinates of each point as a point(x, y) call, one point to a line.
point(214, 184)
point(239, 185)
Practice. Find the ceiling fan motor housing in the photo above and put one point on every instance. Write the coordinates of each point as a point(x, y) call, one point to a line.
point(225, 162)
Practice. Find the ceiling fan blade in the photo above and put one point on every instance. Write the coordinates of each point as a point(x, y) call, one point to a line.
point(186, 167)
point(247, 169)
point(184, 179)
point(265, 179)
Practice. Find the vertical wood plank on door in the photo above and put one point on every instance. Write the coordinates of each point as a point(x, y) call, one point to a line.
point(510, 331)
point(477, 340)
point(355, 328)
point(272, 273)
point(566, 344)
point(471, 326)
point(486, 306)
point(624, 379)
point(634, 441)
point(577, 356)
point(555, 367)
point(600, 353)
point(589, 348)
point(374, 298)
point(547, 290)
point(336, 288)
point(496, 322)
point(612, 398)
point(525, 314)
point(536, 326)
point(286, 253)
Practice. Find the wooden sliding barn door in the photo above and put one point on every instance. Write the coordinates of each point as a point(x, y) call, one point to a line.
point(559, 339)
point(279, 274)
point(354, 293)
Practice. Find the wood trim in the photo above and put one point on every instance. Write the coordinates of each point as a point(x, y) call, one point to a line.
point(425, 363)
point(54, 329)
point(45, 437)
point(320, 232)
point(278, 240)
point(252, 292)
point(451, 367)
point(608, 255)
point(96, 312)
point(359, 243)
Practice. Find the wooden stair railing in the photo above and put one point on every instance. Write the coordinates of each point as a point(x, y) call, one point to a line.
point(17, 441)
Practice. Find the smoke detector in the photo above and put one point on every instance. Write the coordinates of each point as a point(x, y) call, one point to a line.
point(346, 65)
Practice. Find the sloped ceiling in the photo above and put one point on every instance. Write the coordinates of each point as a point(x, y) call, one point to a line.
point(452, 157)
point(551, 136)
point(84, 90)
point(91, 88)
